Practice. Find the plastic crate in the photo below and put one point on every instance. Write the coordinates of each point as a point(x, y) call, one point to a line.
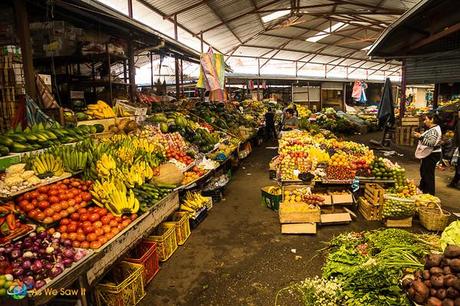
point(270, 200)
point(215, 194)
point(123, 286)
point(182, 226)
point(145, 253)
point(165, 237)
point(200, 216)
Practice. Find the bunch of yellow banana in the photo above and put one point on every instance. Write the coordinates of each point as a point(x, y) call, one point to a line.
point(193, 202)
point(145, 144)
point(274, 190)
point(121, 111)
point(100, 110)
point(47, 165)
point(105, 164)
point(126, 155)
point(113, 195)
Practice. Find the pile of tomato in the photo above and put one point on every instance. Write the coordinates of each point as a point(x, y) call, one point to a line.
point(92, 227)
point(51, 203)
point(179, 156)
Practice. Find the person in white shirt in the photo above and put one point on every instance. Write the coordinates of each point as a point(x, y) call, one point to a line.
point(429, 151)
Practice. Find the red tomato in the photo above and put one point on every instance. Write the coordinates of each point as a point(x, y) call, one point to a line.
point(51, 231)
point(114, 231)
point(72, 228)
point(99, 231)
point(56, 217)
point(106, 229)
point(33, 213)
point(53, 199)
point(63, 213)
point(94, 217)
point(105, 220)
point(66, 181)
point(103, 211)
point(84, 217)
point(72, 236)
point(48, 220)
point(34, 194)
point(27, 196)
point(71, 202)
point(81, 237)
point(62, 228)
point(65, 221)
point(113, 223)
point(88, 229)
point(57, 207)
point(78, 199)
point(84, 245)
point(91, 209)
point(91, 237)
point(42, 197)
point(29, 207)
point(133, 217)
point(86, 196)
point(53, 192)
point(63, 197)
point(64, 204)
point(40, 216)
point(80, 230)
point(49, 211)
point(75, 216)
point(43, 205)
point(81, 210)
point(95, 245)
point(86, 224)
point(97, 224)
point(125, 223)
point(71, 210)
point(76, 244)
point(64, 236)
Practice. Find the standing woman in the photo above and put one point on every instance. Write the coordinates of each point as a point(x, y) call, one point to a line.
point(429, 151)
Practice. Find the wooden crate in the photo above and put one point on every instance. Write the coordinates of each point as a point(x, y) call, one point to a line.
point(406, 222)
point(299, 228)
point(298, 217)
point(333, 215)
point(344, 198)
point(327, 198)
point(404, 136)
point(374, 194)
point(368, 211)
point(410, 121)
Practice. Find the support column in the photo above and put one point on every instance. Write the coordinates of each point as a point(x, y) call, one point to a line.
point(436, 95)
point(402, 105)
point(151, 70)
point(132, 72)
point(176, 61)
point(22, 27)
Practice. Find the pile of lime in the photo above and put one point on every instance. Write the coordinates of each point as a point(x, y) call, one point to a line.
point(6, 281)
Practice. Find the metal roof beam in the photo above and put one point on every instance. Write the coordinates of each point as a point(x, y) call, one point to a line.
point(336, 33)
point(447, 31)
point(387, 11)
point(182, 10)
point(225, 23)
point(238, 16)
point(254, 4)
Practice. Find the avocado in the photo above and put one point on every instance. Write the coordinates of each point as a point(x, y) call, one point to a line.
point(99, 128)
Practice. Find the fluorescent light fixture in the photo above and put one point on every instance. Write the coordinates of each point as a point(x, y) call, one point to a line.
point(327, 32)
point(275, 15)
point(366, 48)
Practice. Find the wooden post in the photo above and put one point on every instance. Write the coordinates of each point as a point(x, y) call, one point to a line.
point(130, 8)
point(22, 27)
point(151, 69)
point(202, 42)
point(110, 72)
point(132, 71)
point(437, 86)
point(176, 61)
point(182, 77)
point(402, 105)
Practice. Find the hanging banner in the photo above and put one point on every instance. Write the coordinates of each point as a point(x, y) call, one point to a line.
point(212, 71)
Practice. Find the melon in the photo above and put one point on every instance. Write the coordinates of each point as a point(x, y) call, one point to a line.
point(168, 174)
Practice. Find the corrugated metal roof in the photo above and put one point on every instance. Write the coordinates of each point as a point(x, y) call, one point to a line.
point(237, 24)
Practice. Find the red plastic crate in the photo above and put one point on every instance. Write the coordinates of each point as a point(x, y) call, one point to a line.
point(145, 253)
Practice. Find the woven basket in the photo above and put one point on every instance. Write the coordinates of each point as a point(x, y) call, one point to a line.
point(434, 219)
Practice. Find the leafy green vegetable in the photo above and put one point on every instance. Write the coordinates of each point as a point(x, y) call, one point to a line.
point(451, 235)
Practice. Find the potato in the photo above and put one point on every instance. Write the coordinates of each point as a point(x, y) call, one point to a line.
point(447, 302)
point(449, 280)
point(452, 293)
point(441, 294)
point(437, 281)
point(452, 251)
point(433, 260)
point(433, 292)
point(455, 265)
point(456, 284)
point(426, 274)
point(406, 283)
point(433, 301)
point(447, 270)
point(428, 283)
point(421, 291)
point(436, 270)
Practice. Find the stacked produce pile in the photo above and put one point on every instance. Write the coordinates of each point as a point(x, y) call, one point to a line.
point(365, 269)
point(254, 111)
point(40, 136)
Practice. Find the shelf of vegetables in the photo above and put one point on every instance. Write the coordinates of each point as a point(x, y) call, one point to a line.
point(128, 184)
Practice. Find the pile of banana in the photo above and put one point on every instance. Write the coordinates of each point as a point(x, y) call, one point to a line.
point(193, 202)
point(114, 196)
point(100, 110)
point(274, 190)
point(105, 165)
point(74, 160)
point(136, 175)
point(47, 165)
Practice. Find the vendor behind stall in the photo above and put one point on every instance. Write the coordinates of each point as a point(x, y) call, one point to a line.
point(290, 120)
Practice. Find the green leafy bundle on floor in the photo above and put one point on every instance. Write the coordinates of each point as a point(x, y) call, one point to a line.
point(368, 266)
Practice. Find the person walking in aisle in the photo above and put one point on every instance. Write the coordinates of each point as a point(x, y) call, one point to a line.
point(429, 152)
point(456, 179)
point(270, 131)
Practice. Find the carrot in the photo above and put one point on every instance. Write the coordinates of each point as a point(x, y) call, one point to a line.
point(11, 221)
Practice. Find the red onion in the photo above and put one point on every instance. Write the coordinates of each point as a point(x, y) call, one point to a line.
point(26, 265)
point(33, 235)
point(29, 282)
point(55, 271)
point(16, 253)
point(68, 253)
point(18, 272)
point(67, 242)
point(42, 235)
point(37, 266)
point(8, 248)
point(48, 266)
point(80, 254)
point(67, 262)
point(39, 284)
point(2, 249)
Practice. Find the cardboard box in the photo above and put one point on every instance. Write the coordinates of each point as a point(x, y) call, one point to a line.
point(334, 215)
point(298, 217)
point(406, 222)
point(344, 198)
point(299, 228)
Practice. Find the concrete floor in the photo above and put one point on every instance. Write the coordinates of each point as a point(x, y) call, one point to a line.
point(237, 256)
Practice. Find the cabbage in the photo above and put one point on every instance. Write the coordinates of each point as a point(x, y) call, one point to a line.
point(451, 235)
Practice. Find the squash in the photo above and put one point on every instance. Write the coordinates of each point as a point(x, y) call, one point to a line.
point(168, 174)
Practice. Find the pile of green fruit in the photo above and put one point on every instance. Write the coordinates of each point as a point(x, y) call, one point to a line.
point(40, 136)
point(380, 170)
point(395, 207)
point(149, 195)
